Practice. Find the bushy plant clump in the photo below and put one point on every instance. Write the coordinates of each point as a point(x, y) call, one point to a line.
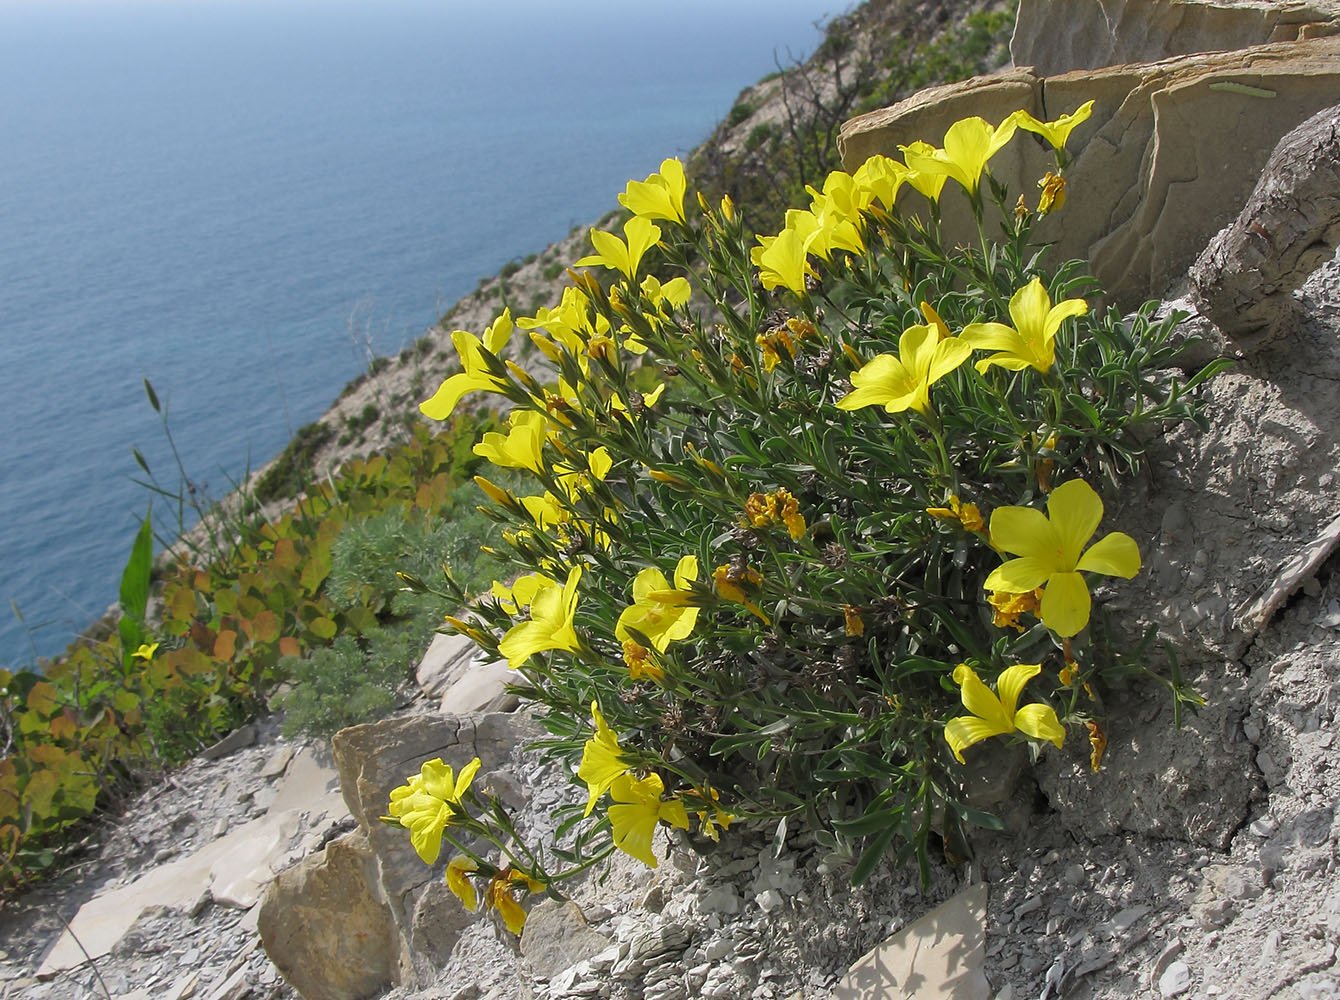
point(786, 560)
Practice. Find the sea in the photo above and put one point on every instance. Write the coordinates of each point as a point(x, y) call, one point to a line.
point(243, 201)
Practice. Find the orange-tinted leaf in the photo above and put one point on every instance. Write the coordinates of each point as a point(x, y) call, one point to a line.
point(265, 626)
point(225, 645)
point(202, 635)
point(285, 555)
point(289, 646)
point(62, 727)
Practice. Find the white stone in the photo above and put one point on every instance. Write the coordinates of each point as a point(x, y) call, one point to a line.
point(939, 957)
point(1176, 979)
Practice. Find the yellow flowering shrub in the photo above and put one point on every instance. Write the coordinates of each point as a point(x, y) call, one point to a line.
point(785, 530)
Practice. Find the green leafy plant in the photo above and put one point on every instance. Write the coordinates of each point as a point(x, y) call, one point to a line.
point(787, 560)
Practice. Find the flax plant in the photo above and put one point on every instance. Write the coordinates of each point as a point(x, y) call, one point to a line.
point(787, 514)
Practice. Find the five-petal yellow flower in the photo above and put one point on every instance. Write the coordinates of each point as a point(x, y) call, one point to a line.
point(969, 144)
point(617, 255)
point(550, 627)
point(1032, 340)
point(782, 260)
point(459, 882)
point(658, 611)
point(1052, 555)
point(660, 196)
point(1058, 131)
point(903, 382)
point(637, 810)
point(996, 715)
point(522, 446)
point(426, 803)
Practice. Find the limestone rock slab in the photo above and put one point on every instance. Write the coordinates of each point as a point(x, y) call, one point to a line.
point(1056, 36)
point(446, 660)
point(324, 928)
point(234, 868)
point(1170, 155)
point(557, 937)
point(942, 956)
point(374, 758)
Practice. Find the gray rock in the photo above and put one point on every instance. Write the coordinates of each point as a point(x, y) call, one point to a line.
point(243, 736)
point(1176, 979)
point(557, 936)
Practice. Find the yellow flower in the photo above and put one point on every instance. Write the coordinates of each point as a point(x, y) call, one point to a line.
point(928, 184)
point(781, 260)
point(425, 805)
point(1097, 745)
point(467, 629)
point(994, 715)
point(615, 254)
point(459, 883)
point(637, 811)
point(1053, 193)
point(1052, 554)
point(496, 493)
point(969, 144)
point(550, 627)
point(674, 293)
point(637, 658)
point(763, 510)
point(522, 446)
point(498, 896)
point(1058, 131)
point(1006, 607)
point(880, 178)
point(903, 382)
point(474, 376)
point(731, 582)
point(657, 611)
point(967, 514)
point(660, 196)
point(522, 591)
point(601, 760)
point(853, 625)
point(1032, 340)
point(708, 824)
point(145, 651)
point(648, 400)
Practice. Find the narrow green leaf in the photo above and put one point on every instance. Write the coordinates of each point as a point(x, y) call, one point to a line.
point(135, 577)
point(872, 853)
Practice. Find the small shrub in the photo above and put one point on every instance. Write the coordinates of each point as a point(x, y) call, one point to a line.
point(738, 113)
point(759, 135)
point(294, 466)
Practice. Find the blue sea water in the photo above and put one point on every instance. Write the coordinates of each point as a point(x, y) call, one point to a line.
point(233, 197)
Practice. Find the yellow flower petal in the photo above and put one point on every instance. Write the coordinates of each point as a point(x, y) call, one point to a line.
point(1065, 604)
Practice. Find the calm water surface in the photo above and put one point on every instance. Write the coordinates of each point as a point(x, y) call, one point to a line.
point(236, 198)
